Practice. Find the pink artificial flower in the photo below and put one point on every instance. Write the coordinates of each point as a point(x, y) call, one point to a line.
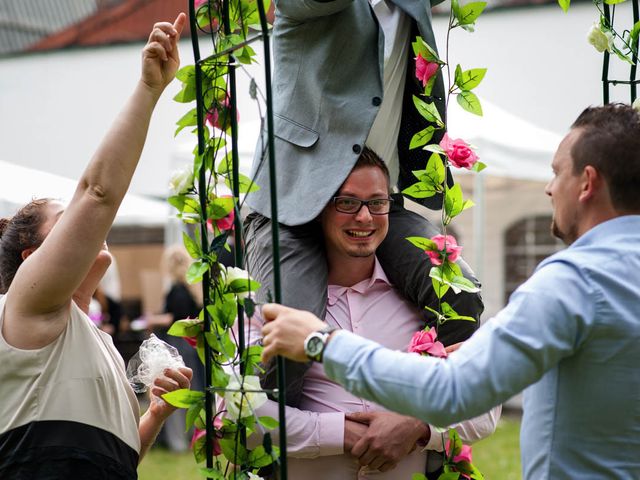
point(463, 456)
point(219, 117)
point(225, 223)
point(193, 341)
point(452, 251)
point(198, 434)
point(198, 3)
point(424, 343)
point(459, 153)
point(425, 69)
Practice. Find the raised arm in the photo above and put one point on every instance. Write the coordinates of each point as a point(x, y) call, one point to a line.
point(46, 281)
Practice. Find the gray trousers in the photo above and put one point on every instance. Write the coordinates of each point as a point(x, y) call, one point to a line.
point(304, 275)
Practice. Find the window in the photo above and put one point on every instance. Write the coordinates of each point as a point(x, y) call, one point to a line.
point(526, 244)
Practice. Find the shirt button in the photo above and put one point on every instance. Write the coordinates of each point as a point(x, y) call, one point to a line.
point(376, 101)
point(357, 148)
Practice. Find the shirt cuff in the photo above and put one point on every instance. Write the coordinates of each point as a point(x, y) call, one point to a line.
point(331, 436)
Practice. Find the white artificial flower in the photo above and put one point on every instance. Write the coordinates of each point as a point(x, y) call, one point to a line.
point(253, 476)
point(181, 181)
point(601, 40)
point(636, 104)
point(235, 273)
point(239, 404)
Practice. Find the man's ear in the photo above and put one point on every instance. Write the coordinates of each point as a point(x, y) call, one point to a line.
point(590, 184)
point(26, 252)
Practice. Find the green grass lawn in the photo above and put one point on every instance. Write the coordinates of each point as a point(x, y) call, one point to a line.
point(497, 457)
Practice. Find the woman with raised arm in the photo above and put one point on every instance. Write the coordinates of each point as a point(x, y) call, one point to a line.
point(67, 410)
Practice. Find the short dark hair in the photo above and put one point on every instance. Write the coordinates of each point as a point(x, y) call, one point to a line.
point(369, 158)
point(18, 233)
point(610, 142)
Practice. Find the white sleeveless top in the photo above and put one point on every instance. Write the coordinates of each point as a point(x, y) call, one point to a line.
point(77, 384)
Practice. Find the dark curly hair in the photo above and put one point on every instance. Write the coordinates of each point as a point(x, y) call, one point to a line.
point(18, 233)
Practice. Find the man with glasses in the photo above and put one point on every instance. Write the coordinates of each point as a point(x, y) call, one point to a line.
point(344, 78)
point(334, 435)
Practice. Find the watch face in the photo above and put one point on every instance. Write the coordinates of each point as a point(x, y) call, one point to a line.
point(314, 346)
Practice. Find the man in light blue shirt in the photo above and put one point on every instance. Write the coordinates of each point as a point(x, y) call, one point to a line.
point(569, 337)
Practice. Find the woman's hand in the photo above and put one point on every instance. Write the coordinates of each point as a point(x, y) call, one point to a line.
point(160, 57)
point(173, 379)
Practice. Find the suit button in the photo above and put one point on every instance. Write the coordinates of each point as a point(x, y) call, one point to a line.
point(376, 101)
point(357, 149)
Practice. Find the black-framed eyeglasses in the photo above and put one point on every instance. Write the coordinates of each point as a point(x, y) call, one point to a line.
point(376, 206)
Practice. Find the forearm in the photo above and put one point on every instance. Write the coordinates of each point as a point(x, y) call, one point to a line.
point(148, 429)
point(438, 392)
point(309, 434)
point(110, 171)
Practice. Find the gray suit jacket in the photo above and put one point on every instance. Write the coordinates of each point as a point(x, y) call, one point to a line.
point(327, 86)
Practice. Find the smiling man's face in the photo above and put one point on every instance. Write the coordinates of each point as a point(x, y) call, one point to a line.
point(357, 234)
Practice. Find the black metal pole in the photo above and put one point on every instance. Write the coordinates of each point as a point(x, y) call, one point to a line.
point(605, 62)
point(206, 279)
point(275, 234)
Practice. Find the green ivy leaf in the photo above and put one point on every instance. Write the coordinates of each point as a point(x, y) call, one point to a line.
point(193, 413)
point(211, 473)
point(224, 314)
point(478, 167)
point(449, 476)
point(251, 356)
point(246, 185)
point(422, 137)
point(439, 286)
point(221, 342)
point(220, 207)
point(219, 378)
point(269, 423)
point(450, 314)
point(564, 4)
point(233, 450)
point(469, 13)
point(461, 283)
point(420, 190)
point(196, 270)
point(435, 148)
point(189, 119)
point(183, 398)
point(190, 327)
point(242, 285)
point(192, 247)
point(614, 2)
point(423, 243)
point(453, 202)
point(418, 476)
point(422, 48)
point(428, 111)
point(258, 457)
point(470, 102)
point(470, 79)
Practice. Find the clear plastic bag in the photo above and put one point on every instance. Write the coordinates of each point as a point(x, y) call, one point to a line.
point(150, 361)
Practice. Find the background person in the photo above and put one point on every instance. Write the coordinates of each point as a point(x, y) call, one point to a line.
point(570, 333)
point(67, 409)
point(181, 301)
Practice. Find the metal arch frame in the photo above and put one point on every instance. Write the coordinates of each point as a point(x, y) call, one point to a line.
point(232, 92)
point(609, 14)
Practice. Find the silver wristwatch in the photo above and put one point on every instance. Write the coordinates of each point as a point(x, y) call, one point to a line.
point(316, 342)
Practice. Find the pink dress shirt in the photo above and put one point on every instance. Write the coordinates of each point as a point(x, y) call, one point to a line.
point(373, 309)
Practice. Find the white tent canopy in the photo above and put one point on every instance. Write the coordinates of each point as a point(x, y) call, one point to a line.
point(510, 146)
point(19, 185)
